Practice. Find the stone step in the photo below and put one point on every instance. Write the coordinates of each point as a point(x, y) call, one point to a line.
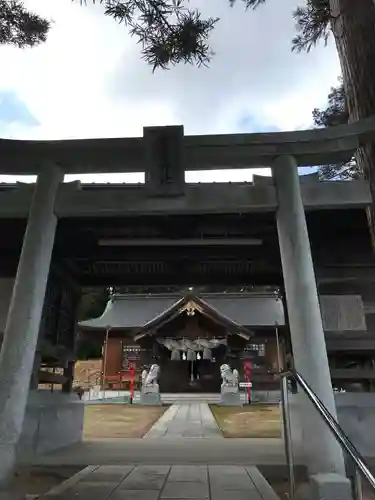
point(170, 398)
point(217, 482)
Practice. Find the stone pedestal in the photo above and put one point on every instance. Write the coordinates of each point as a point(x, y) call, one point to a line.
point(230, 396)
point(52, 421)
point(150, 396)
point(328, 486)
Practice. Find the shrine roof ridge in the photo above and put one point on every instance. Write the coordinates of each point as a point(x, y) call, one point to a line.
point(203, 307)
point(309, 147)
point(134, 311)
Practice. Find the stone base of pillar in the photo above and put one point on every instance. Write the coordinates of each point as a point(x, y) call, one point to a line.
point(52, 421)
point(8, 453)
point(150, 399)
point(327, 487)
point(230, 397)
point(12, 495)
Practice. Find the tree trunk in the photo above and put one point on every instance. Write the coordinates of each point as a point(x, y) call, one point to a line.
point(353, 26)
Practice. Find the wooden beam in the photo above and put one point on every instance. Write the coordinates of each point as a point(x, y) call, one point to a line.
point(180, 279)
point(51, 378)
point(352, 374)
point(180, 242)
point(206, 198)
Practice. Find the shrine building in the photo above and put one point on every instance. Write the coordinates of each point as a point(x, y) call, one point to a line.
point(190, 337)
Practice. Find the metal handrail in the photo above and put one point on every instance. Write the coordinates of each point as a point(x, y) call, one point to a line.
point(332, 424)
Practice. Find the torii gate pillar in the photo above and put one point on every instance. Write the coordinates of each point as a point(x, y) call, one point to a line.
point(323, 453)
point(25, 311)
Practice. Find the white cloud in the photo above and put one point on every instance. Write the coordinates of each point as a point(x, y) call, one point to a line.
point(88, 79)
point(254, 70)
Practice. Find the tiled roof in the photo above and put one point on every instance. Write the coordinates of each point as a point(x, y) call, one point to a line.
point(134, 311)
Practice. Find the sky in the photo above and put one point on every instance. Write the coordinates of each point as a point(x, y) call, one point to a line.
point(88, 80)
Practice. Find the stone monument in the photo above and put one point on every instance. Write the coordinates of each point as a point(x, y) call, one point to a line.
point(230, 393)
point(150, 393)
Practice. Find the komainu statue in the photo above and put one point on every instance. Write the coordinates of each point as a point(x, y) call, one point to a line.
point(230, 391)
point(150, 394)
point(150, 378)
point(229, 377)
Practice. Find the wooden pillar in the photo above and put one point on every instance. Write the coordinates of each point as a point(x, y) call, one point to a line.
point(34, 379)
point(69, 373)
point(104, 359)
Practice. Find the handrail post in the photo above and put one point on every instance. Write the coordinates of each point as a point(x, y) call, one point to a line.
point(287, 435)
point(357, 484)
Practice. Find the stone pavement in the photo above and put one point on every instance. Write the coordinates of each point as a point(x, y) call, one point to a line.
point(184, 420)
point(162, 451)
point(164, 482)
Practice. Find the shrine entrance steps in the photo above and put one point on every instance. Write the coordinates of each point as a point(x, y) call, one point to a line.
point(166, 397)
point(185, 420)
point(112, 397)
point(260, 452)
point(165, 482)
point(191, 397)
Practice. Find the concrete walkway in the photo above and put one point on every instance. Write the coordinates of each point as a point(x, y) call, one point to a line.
point(185, 420)
point(162, 451)
point(164, 482)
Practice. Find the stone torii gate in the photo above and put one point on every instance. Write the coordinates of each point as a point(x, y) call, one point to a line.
point(163, 154)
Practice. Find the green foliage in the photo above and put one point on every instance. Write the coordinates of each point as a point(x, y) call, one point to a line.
point(93, 302)
point(336, 113)
point(51, 352)
point(312, 24)
point(21, 28)
point(249, 4)
point(168, 31)
point(89, 346)
point(341, 171)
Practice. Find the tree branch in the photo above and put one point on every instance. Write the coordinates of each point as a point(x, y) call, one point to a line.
point(168, 31)
point(21, 28)
point(312, 25)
